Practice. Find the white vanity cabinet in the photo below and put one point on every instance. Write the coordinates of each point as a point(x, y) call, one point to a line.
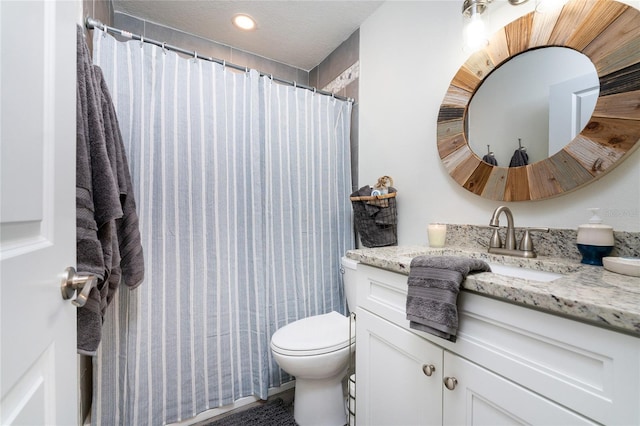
point(399, 375)
point(479, 397)
point(511, 364)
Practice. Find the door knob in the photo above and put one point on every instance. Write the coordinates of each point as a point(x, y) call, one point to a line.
point(450, 382)
point(428, 369)
point(73, 282)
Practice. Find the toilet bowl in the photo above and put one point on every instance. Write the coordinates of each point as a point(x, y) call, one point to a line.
point(316, 350)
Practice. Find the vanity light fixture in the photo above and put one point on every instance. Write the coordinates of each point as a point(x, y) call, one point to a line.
point(475, 32)
point(244, 22)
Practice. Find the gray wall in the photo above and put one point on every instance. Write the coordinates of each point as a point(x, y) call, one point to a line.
point(102, 10)
point(206, 47)
point(339, 73)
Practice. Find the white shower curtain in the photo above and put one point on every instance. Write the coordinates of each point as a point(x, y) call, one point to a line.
point(242, 186)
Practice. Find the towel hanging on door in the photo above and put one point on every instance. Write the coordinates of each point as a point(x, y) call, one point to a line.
point(107, 234)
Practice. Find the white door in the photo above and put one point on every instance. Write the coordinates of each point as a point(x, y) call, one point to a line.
point(571, 104)
point(38, 361)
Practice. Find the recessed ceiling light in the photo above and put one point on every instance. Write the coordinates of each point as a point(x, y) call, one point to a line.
point(244, 22)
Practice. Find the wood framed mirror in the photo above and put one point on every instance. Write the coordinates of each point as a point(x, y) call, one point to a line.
point(607, 32)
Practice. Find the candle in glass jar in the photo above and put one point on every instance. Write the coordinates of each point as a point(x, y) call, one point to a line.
point(437, 234)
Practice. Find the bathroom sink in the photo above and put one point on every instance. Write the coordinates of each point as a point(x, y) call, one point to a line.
point(525, 273)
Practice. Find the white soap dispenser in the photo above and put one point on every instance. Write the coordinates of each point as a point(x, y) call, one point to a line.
point(595, 240)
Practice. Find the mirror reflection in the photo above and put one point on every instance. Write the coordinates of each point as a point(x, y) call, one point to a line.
point(532, 106)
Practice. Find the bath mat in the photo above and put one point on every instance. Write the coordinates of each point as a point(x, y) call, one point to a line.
point(273, 413)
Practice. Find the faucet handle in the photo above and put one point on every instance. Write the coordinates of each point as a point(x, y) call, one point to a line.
point(526, 243)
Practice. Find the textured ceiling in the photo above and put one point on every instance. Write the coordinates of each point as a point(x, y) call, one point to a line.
point(297, 33)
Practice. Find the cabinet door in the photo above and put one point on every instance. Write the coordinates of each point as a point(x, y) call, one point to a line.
point(481, 397)
point(392, 382)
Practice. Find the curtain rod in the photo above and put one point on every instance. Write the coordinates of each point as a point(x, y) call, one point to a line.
point(91, 23)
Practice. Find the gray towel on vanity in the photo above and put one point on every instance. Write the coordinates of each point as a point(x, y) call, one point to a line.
point(434, 283)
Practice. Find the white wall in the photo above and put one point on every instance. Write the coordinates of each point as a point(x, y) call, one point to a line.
point(409, 52)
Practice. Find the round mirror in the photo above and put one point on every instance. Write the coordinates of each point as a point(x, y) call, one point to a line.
point(604, 31)
point(537, 101)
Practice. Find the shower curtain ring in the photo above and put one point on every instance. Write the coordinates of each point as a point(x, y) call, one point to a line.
point(195, 56)
point(164, 50)
point(224, 64)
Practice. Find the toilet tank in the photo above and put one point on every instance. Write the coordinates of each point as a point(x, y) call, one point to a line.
point(349, 279)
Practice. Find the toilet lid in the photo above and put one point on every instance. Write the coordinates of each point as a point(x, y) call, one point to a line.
point(314, 335)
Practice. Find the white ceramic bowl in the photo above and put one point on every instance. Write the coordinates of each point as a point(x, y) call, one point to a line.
point(622, 265)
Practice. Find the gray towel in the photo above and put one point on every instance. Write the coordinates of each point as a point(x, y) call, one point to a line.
point(375, 209)
point(365, 191)
point(375, 224)
point(434, 284)
point(129, 246)
point(107, 235)
point(519, 158)
point(490, 159)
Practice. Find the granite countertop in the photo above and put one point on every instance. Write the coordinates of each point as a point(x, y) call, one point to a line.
point(586, 293)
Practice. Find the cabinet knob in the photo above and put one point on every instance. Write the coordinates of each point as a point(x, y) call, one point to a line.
point(428, 369)
point(450, 382)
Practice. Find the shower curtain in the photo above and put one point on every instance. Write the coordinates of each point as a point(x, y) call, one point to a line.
point(242, 187)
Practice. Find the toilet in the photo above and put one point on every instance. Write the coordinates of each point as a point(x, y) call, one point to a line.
point(316, 350)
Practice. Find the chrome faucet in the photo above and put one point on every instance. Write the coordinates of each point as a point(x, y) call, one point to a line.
point(525, 249)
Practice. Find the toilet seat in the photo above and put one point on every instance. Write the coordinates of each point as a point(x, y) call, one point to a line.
point(316, 335)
